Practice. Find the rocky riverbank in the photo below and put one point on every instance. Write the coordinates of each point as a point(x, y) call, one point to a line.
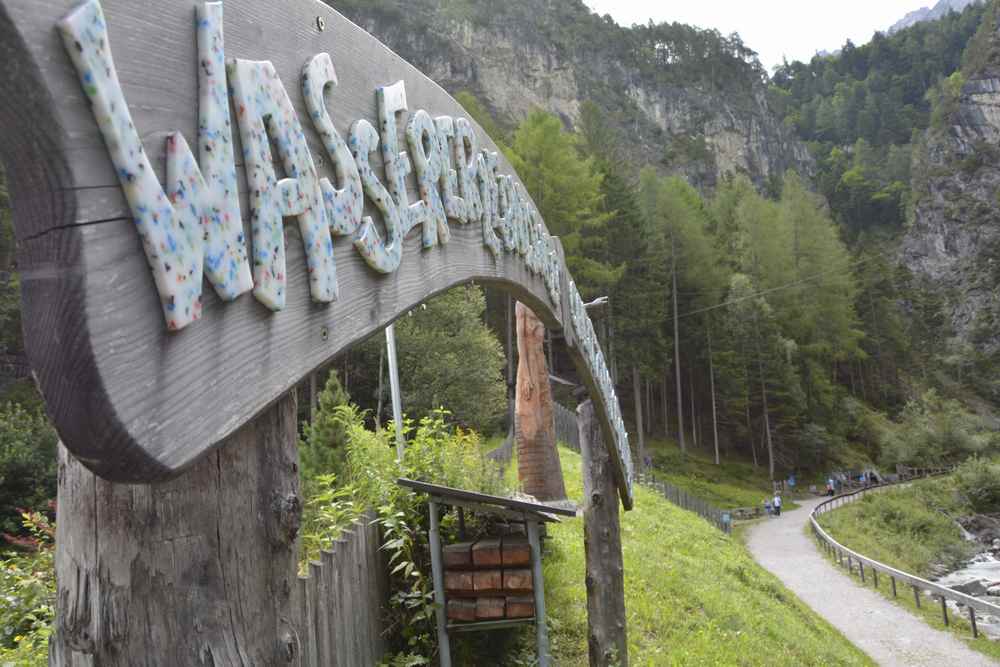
point(980, 576)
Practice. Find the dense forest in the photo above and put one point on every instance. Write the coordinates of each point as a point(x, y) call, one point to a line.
point(762, 307)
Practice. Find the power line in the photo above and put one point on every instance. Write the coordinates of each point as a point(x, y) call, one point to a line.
point(780, 287)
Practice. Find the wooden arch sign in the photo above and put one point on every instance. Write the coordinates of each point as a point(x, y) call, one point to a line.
point(213, 200)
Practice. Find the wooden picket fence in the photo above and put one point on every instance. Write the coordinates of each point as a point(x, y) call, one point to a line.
point(338, 609)
point(568, 433)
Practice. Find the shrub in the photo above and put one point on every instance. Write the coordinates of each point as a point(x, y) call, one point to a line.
point(436, 452)
point(932, 431)
point(27, 463)
point(978, 483)
point(27, 595)
point(324, 444)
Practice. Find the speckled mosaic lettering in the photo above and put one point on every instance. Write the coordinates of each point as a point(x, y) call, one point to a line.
point(422, 138)
point(507, 211)
point(391, 100)
point(194, 228)
point(383, 255)
point(454, 206)
point(262, 109)
point(344, 205)
point(486, 176)
point(467, 164)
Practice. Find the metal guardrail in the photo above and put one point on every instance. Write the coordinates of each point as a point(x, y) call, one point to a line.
point(848, 558)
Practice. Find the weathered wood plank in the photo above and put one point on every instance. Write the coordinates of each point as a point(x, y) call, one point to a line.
point(606, 630)
point(192, 571)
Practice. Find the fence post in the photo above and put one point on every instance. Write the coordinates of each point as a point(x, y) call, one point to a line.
point(916, 597)
point(944, 610)
point(972, 619)
point(893, 586)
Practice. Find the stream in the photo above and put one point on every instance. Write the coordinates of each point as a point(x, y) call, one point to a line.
point(979, 577)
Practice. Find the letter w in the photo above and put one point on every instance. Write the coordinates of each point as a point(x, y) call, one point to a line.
point(194, 228)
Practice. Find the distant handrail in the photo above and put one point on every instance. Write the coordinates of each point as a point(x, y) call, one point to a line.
point(839, 551)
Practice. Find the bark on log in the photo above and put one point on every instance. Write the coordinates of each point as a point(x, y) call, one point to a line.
point(538, 467)
point(195, 571)
point(606, 632)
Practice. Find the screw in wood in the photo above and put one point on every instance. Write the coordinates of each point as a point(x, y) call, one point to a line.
point(320, 23)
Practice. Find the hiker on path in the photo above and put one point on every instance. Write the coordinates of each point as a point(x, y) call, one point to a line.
point(776, 503)
point(767, 506)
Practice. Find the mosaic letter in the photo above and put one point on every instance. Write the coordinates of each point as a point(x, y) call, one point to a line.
point(263, 109)
point(454, 206)
point(421, 135)
point(197, 230)
point(383, 255)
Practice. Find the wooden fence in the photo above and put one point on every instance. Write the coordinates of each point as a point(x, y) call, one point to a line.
point(338, 609)
point(721, 519)
point(568, 433)
point(849, 559)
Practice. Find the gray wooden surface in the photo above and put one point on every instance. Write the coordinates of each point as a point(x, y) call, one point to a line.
point(132, 401)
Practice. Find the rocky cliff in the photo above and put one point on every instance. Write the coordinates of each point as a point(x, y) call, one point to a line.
point(687, 101)
point(953, 241)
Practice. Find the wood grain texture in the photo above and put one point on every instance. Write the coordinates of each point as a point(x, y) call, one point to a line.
point(132, 401)
point(198, 570)
point(606, 619)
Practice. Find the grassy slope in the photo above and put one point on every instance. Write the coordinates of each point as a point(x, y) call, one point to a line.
point(908, 527)
point(902, 528)
point(694, 596)
point(731, 484)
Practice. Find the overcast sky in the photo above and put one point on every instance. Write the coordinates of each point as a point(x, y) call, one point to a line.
point(772, 28)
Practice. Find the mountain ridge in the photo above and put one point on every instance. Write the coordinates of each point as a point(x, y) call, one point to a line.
point(930, 13)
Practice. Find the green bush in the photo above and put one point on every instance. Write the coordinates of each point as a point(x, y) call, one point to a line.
point(324, 444)
point(436, 452)
point(27, 595)
point(27, 464)
point(933, 431)
point(978, 483)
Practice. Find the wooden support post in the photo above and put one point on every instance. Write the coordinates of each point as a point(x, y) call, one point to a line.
point(944, 610)
point(861, 571)
point(437, 575)
point(875, 577)
point(606, 631)
point(893, 586)
point(972, 619)
point(541, 630)
point(916, 596)
point(198, 569)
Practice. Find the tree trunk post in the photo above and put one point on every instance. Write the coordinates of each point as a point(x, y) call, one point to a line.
point(677, 346)
point(195, 571)
point(538, 466)
point(606, 631)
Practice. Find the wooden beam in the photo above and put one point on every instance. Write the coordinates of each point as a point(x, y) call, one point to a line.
point(606, 630)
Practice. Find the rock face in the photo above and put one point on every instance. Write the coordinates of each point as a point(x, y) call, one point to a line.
point(954, 239)
point(939, 10)
point(554, 54)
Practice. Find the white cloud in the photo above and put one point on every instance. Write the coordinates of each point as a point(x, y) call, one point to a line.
point(774, 28)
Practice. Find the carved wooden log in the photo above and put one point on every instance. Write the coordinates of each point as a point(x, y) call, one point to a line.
point(195, 571)
point(606, 636)
point(538, 466)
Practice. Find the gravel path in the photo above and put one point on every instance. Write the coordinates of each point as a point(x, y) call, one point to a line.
point(889, 634)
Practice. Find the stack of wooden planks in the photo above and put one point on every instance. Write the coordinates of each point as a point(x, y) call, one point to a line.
point(489, 579)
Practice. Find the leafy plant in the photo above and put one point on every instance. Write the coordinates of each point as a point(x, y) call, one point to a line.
point(27, 594)
point(27, 463)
